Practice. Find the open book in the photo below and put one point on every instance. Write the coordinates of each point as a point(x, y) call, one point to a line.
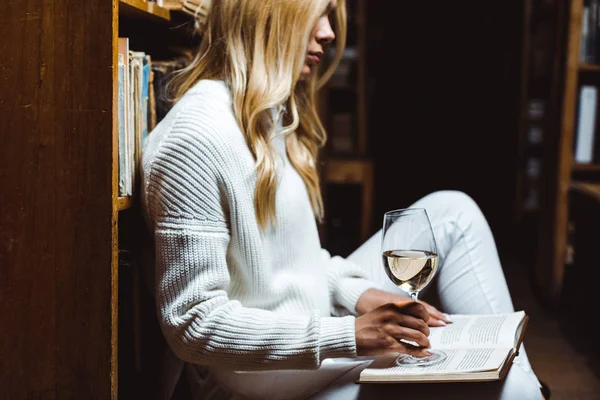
point(478, 348)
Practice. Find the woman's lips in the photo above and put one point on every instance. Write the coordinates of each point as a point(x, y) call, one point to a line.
point(314, 59)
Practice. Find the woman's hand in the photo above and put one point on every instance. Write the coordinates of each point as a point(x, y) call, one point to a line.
point(381, 330)
point(374, 298)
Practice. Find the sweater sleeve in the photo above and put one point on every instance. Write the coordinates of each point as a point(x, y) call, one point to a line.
point(185, 197)
point(347, 281)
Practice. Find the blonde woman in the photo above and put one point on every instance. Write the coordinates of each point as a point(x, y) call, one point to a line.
point(245, 294)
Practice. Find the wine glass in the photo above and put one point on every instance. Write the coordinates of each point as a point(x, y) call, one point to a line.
point(410, 259)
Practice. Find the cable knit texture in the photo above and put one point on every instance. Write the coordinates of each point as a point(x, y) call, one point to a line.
point(230, 294)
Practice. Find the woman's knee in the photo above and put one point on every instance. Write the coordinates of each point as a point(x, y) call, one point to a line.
point(448, 201)
point(519, 384)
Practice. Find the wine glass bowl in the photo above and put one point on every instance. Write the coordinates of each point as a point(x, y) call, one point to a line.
point(410, 260)
point(410, 270)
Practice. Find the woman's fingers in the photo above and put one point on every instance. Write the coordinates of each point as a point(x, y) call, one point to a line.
point(407, 334)
point(409, 349)
point(412, 323)
point(436, 322)
point(393, 327)
point(411, 308)
point(436, 317)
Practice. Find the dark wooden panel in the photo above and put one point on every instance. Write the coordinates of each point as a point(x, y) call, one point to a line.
point(55, 179)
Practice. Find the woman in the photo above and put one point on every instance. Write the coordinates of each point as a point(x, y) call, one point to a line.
point(245, 293)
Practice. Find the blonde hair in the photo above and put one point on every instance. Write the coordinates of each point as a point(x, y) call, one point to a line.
point(258, 47)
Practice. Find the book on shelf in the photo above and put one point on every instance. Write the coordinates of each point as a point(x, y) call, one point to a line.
point(142, 94)
point(121, 118)
point(146, 82)
point(478, 348)
point(131, 131)
point(590, 26)
point(151, 99)
point(136, 69)
point(586, 124)
point(125, 184)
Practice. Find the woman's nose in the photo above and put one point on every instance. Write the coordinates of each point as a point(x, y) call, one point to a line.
point(324, 32)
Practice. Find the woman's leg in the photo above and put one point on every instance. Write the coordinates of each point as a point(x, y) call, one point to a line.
point(470, 279)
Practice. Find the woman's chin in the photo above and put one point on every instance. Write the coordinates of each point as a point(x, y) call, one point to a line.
point(305, 73)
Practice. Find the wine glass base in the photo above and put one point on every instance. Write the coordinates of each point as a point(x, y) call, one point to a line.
point(436, 357)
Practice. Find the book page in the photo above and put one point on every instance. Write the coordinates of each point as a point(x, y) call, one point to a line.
point(457, 361)
point(477, 331)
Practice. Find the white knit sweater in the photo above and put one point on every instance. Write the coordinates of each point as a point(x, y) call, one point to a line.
point(229, 294)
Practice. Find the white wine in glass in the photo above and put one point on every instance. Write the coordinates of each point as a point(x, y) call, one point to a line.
point(410, 259)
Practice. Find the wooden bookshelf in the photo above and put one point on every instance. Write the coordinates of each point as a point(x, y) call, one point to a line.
point(143, 9)
point(553, 248)
point(591, 189)
point(589, 67)
point(586, 167)
point(124, 203)
point(62, 216)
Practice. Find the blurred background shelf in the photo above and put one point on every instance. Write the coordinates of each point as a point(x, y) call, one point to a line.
point(140, 8)
point(591, 189)
point(586, 167)
point(589, 67)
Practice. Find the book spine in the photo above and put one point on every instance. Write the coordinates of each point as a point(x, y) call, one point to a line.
point(124, 52)
point(584, 140)
point(592, 40)
point(122, 103)
point(145, 99)
point(137, 93)
point(583, 50)
point(131, 124)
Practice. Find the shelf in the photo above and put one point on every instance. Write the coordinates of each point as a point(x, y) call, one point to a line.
point(348, 171)
point(586, 167)
point(143, 9)
point(589, 67)
point(591, 189)
point(123, 203)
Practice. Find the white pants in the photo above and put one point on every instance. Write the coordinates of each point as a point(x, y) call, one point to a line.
point(470, 280)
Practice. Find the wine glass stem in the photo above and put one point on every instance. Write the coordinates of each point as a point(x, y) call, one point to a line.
point(413, 296)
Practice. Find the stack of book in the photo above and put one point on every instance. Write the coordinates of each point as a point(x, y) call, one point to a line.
point(142, 103)
point(133, 105)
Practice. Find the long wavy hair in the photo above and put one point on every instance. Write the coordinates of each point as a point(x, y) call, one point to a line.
point(258, 47)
